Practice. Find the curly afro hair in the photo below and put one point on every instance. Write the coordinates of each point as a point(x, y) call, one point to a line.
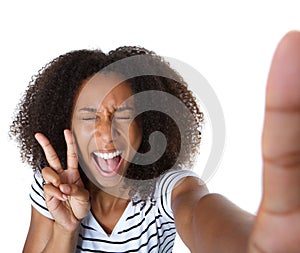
point(49, 99)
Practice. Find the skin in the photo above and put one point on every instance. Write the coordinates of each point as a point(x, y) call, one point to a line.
point(206, 222)
point(277, 226)
point(104, 123)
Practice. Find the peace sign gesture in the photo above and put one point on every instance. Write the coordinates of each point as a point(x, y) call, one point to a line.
point(66, 198)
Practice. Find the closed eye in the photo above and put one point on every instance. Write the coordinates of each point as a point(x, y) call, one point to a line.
point(88, 113)
point(123, 117)
point(124, 113)
point(88, 118)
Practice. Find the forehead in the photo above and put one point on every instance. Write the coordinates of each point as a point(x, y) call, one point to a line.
point(103, 88)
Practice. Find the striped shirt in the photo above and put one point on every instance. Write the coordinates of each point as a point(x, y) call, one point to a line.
point(141, 228)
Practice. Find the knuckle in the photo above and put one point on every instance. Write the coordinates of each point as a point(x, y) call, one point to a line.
point(50, 176)
point(52, 157)
point(72, 154)
point(46, 172)
point(85, 194)
point(55, 181)
point(72, 167)
point(47, 145)
point(75, 188)
point(51, 192)
point(80, 193)
point(48, 190)
point(48, 197)
point(284, 160)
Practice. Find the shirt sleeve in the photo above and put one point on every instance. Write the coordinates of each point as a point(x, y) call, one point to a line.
point(166, 185)
point(37, 195)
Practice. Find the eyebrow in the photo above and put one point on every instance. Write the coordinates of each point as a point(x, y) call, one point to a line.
point(94, 110)
point(88, 109)
point(124, 108)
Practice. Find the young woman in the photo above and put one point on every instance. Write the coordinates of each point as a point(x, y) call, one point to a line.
point(104, 182)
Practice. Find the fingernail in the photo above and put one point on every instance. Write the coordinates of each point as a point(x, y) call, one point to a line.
point(67, 189)
point(36, 136)
point(65, 197)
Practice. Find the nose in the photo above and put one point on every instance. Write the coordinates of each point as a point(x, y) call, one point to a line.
point(104, 132)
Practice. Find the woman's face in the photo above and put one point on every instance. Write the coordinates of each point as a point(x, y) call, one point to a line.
point(105, 129)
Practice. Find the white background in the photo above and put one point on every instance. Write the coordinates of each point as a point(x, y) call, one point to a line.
point(230, 42)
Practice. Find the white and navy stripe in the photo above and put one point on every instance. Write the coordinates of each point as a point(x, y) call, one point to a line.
point(142, 227)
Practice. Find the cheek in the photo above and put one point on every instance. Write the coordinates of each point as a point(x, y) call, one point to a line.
point(85, 130)
point(83, 134)
point(135, 134)
point(82, 127)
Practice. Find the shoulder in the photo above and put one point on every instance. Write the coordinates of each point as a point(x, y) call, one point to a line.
point(181, 177)
point(173, 184)
point(173, 177)
point(186, 194)
point(187, 191)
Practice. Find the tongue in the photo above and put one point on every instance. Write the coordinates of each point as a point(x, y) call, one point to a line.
point(108, 164)
point(113, 163)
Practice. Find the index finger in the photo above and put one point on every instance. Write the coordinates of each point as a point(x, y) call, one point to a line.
point(50, 153)
point(72, 159)
point(281, 135)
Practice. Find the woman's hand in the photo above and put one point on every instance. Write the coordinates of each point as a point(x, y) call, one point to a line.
point(277, 227)
point(66, 198)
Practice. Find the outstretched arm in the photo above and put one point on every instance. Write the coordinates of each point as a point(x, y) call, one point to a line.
point(210, 223)
point(207, 222)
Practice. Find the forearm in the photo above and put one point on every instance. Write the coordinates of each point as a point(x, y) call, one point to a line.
point(220, 226)
point(62, 240)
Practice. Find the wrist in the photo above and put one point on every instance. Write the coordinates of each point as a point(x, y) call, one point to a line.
point(66, 232)
point(62, 239)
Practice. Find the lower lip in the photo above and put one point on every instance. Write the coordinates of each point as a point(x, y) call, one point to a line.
point(110, 173)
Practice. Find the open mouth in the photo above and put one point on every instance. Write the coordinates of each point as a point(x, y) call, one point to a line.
point(108, 163)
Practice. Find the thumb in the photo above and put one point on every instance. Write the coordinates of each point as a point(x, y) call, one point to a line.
point(79, 199)
point(281, 134)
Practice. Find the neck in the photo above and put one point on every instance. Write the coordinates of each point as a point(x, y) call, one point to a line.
point(108, 198)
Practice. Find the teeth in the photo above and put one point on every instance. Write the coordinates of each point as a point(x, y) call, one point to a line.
point(108, 155)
